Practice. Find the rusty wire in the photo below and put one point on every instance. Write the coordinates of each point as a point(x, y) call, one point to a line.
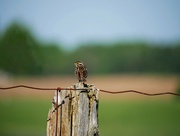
point(104, 91)
point(56, 113)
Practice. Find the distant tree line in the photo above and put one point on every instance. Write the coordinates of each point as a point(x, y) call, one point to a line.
point(22, 54)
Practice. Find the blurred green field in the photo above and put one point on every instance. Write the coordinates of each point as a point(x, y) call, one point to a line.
point(27, 117)
point(140, 118)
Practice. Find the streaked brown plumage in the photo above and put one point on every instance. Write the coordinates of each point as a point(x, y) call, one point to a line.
point(80, 71)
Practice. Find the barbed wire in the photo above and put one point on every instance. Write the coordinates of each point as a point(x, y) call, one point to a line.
point(104, 91)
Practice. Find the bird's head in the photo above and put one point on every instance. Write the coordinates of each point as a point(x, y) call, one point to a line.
point(78, 63)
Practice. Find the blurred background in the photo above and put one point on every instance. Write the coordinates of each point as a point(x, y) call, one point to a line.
point(124, 44)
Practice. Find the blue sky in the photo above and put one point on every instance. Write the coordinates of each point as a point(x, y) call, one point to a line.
point(72, 22)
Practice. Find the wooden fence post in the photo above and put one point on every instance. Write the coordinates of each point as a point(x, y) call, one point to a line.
point(77, 112)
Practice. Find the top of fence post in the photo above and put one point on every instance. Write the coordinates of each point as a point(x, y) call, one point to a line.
point(77, 112)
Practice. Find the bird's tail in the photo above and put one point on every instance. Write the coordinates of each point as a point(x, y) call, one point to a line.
point(83, 80)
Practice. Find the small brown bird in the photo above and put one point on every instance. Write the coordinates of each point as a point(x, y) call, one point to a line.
point(80, 71)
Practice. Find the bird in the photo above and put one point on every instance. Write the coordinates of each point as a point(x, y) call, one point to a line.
point(80, 71)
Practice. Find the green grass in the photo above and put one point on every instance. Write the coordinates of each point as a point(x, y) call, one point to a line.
point(140, 118)
point(23, 117)
point(27, 117)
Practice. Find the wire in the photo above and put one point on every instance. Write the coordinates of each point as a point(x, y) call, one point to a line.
point(138, 92)
point(37, 88)
point(104, 91)
point(25, 86)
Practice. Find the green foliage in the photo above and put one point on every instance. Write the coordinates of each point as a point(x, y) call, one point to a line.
point(21, 53)
point(52, 56)
point(131, 57)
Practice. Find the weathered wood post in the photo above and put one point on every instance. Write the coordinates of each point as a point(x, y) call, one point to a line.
point(77, 112)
